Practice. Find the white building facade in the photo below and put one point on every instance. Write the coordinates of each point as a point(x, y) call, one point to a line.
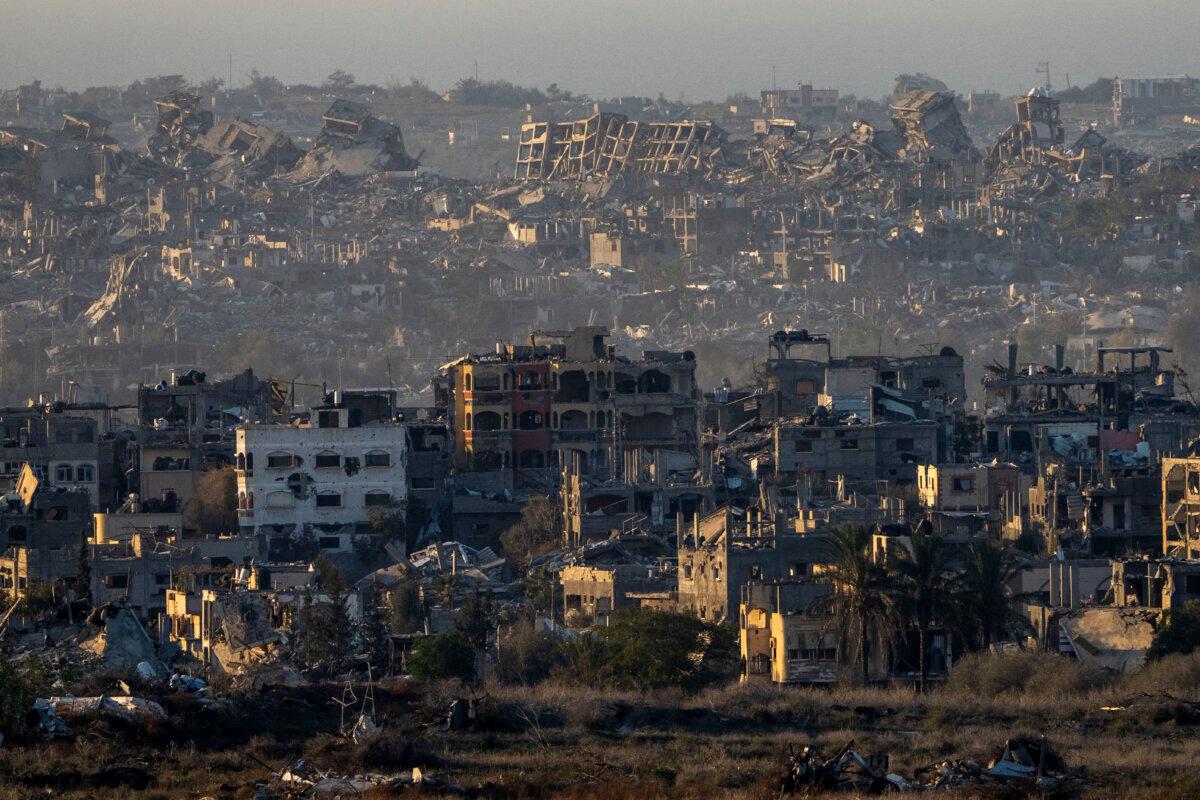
point(322, 478)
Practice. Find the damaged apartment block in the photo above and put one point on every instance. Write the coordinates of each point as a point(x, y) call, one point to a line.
point(567, 399)
point(606, 144)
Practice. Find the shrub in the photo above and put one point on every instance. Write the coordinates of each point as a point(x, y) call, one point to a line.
point(436, 658)
point(525, 654)
point(985, 675)
point(1179, 633)
point(20, 684)
point(1177, 673)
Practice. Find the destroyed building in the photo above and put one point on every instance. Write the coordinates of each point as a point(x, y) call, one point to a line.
point(354, 143)
point(608, 144)
point(722, 551)
point(42, 528)
point(783, 637)
point(182, 122)
point(568, 398)
point(322, 479)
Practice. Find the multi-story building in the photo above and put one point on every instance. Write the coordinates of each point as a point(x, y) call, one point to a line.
point(885, 450)
point(731, 547)
point(322, 478)
point(1181, 507)
point(804, 103)
point(42, 528)
point(784, 637)
point(567, 398)
point(186, 427)
point(67, 447)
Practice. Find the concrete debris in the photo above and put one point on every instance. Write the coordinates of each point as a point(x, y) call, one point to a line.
point(124, 644)
point(301, 779)
point(354, 143)
point(846, 770)
point(1024, 762)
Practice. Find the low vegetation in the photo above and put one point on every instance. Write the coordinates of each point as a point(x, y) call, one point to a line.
point(561, 738)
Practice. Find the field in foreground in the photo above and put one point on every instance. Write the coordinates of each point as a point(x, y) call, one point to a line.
point(1118, 738)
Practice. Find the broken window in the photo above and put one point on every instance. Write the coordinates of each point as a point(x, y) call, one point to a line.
point(84, 473)
point(964, 484)
point(17, 534)
point(849, 444)
point(116, 581)
point(572, 387)
point(375, 499)
point(422, 483)
point(1193, 482)
point(654, 382)
point(329, 500)
point(529, 381)
point(378, 458)
point(327, 419)
point(278, 460)
point(532, 459)
point(530, 420)
point(327, 459)
point(804, 445)
point(63, 473)
point(905, 443)
point(1021, 441)
point(329, 542)
point(487, 421)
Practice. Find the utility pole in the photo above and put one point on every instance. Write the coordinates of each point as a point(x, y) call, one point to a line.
point(229, 86)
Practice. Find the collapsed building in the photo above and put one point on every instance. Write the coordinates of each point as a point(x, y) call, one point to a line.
point(607, 144)
point(354, 143)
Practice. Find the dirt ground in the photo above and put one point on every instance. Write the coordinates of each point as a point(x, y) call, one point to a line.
point(572, 742)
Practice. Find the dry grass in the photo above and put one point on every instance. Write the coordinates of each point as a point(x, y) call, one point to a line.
point(560, 741)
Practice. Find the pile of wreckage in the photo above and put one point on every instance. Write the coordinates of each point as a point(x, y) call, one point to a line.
point(472, 570)
point(1025, 763)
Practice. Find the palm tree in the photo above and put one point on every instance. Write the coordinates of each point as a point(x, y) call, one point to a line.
point(862, 604)
point(986, 595)
point(925, 589)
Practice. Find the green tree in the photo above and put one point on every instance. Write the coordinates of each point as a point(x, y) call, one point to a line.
point(21, 682)
point(476, 618)
point(376, 643)
point(340, 81)
point(324, 626)
point(406, 614)
point(526, 654)
point(984, 594)
point(1179, 632)
point(863, 602)
point(925, 590)
point(544, 592)
point(586, 660)
point(265, 86)
point(656, 649)
point(539, 530)
point(436, 658)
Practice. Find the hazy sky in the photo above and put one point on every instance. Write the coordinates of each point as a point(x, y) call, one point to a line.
point(697, 48)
